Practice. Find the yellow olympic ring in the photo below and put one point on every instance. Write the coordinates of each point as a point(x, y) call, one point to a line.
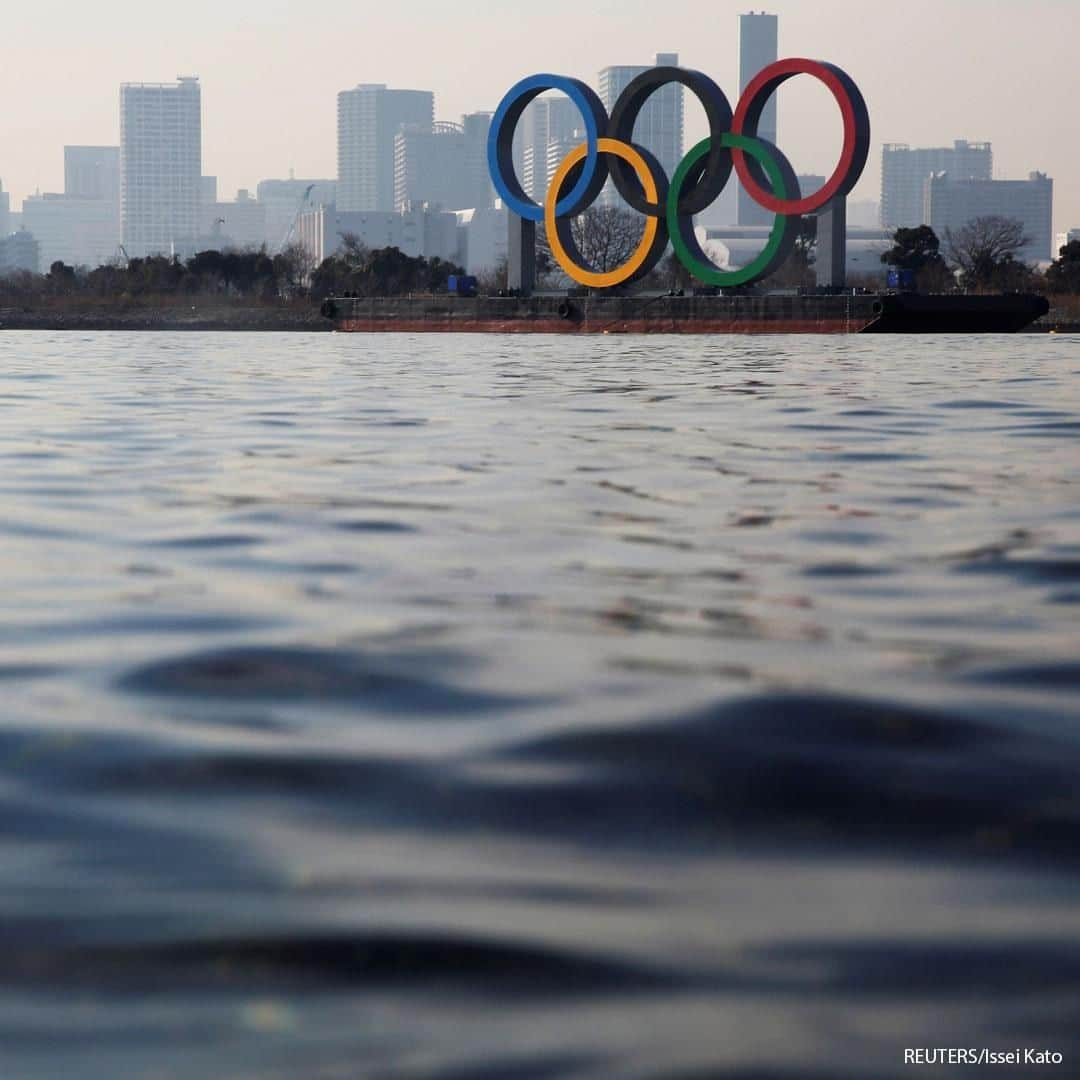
point(622, 273)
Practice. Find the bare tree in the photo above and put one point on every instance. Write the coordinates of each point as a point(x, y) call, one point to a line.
point(984, 251)
point(607, 236)
point(353, 250)
point(493, 278)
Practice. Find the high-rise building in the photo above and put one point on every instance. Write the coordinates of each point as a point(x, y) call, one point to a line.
point(757, 49)
point(476, 127)
point(550, 118)
point(160, 166)
point(659, 125)
point(557, 151)
point(904, 171)
point(369, 117)
point(5, 209)
point(951, 203)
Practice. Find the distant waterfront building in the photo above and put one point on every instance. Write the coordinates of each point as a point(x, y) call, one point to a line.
point(80, 227)
point(476, 126)
point(92, 172)
point(950, 203)
point(284, 200)
point(482, 237)
point(475, 238)
point(78, 232)
point(735, 246)
point(416, 231)
point(810, 182)
point(863, 213)
point(550, 118)
point(557, 151)
point(444, 165)
point(904, 171)
point(369, 117)
point(757, 48)
point(19, 251)
point(659, 126)
point(160, 166)
point(237, 224)
point(5, 212)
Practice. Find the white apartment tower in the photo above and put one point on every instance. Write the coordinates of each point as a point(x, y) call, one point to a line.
point(160, 166)
point(369, 117)
point(550, 118)
point(659, 125)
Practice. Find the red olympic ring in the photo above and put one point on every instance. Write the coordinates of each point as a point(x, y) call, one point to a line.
point(856, 132)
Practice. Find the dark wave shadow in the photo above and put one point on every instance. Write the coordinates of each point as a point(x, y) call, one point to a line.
point(386, 681)
point(818, 770)
point(547, 1067)
point(383, 960)
point(786, 771)
point(929, 971)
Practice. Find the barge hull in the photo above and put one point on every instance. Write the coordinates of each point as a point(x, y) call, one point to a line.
point(851, 313)
point(559, 326)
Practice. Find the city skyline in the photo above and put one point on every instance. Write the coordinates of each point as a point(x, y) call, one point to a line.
point(925, 94)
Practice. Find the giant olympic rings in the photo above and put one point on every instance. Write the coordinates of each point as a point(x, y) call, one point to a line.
point(732, 142)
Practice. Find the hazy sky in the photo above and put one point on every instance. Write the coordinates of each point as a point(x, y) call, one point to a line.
point(931, 71)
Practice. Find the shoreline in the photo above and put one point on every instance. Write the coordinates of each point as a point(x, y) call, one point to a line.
point(169, 319)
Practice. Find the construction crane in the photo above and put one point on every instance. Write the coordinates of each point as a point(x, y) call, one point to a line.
point(296, 217)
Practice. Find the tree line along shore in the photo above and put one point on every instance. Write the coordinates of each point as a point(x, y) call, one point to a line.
point(253, 290)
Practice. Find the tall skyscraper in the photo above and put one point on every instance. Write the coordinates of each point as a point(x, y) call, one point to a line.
point(757, 49)
point(160, 166)
point(369, 117)
point(904, 172)
point(659, 126)
point(5, 206)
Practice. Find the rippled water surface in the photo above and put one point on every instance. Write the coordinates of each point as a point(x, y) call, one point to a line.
point(476, 707)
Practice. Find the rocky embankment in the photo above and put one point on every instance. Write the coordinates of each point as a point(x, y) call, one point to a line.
point(1062, 318)
point(197, 317)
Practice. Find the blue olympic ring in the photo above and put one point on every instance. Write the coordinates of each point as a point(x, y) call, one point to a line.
point(500, 154)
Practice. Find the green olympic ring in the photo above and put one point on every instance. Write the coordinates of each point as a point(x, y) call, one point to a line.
point(784, 185)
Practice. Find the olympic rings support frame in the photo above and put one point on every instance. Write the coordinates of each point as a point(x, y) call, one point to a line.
point(733, 144)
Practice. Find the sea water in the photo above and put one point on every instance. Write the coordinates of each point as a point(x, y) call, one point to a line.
point(475, 706)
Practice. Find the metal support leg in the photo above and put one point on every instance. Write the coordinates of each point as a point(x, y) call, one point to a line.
point(831, 266)
point(521, 251)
